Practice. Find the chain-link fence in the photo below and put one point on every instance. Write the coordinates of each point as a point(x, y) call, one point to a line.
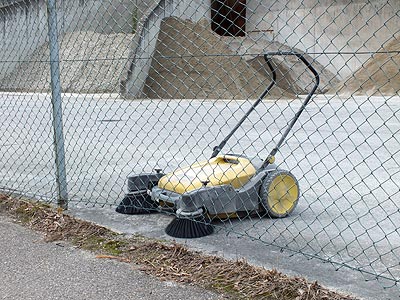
point(126, 87)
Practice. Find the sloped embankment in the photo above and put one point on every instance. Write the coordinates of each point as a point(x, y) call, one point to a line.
point(191, 61)
point(292, 75)
point(89, 63)
point(379, 75)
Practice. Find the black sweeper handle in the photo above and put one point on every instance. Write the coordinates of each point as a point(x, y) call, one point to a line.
point(217, 149)
point(271, 157)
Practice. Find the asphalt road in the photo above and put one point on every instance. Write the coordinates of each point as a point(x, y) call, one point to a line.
point(344, 152)
point(33, 269)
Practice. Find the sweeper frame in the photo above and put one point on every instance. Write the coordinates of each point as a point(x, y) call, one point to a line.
point(225, 186)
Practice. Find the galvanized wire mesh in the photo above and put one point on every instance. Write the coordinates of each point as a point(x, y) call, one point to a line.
point(158, 84)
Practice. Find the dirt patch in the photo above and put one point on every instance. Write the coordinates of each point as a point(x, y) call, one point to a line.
point(379, 75)
point(292, 75)
point(54, 223)
point(191, 61)
point(167, 261)
point(89, 63)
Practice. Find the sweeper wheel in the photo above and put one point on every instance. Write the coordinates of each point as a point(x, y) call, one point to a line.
point(279, 193)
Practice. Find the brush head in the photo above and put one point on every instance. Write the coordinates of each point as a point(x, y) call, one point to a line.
point(185, 228)
point(136, 204)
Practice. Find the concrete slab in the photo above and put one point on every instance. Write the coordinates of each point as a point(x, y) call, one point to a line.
point(33, 269)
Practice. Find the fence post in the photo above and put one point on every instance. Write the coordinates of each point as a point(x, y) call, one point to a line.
point(61, 177)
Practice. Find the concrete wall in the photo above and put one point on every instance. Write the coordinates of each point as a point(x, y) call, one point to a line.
point(146, 38)
point(328, 26)
point(23, 27)
point(23, 24)
point(102, 16)
point(8, 2)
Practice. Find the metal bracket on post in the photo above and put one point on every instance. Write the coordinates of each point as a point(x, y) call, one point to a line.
point(61, 177)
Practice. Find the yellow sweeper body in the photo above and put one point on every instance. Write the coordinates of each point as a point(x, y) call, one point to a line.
point(223, 169)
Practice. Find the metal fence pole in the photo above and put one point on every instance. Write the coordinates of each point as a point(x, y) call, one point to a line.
point(57, 106)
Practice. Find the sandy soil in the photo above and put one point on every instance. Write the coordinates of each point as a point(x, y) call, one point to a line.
point(292, 75)
point(90, 63)
point(191, 61)
point(378, 76)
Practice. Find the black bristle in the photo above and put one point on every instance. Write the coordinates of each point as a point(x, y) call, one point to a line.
point(136, 204)
point(189, 228)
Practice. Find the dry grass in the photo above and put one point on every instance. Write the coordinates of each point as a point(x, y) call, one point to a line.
point(236, 279)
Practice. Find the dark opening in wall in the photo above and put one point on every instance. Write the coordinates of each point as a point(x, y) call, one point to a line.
point(228, 17)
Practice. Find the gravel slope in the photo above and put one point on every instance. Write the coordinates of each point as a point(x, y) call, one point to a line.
point(378, 76)
point(191, 61)
point(90, 63)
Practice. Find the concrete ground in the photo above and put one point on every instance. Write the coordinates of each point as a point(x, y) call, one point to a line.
point(33, 269)
point(344, 152)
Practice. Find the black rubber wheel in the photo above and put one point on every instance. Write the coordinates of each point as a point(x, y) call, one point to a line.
point(279, 193)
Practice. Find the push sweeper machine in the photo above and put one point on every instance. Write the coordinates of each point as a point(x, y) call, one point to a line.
point(224, 186)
